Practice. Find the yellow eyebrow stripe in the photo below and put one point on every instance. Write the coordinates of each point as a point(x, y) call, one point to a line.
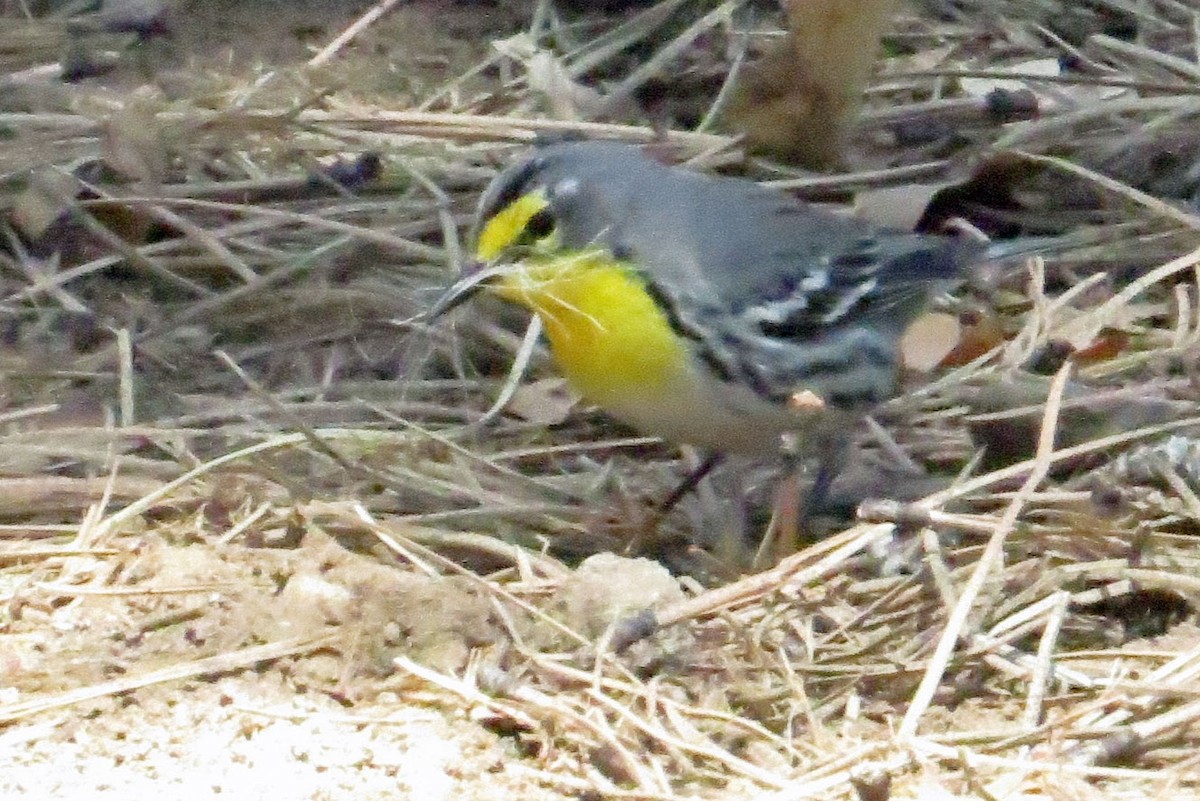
point(501, 231)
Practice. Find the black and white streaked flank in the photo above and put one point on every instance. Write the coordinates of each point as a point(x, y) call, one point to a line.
point(774, 293)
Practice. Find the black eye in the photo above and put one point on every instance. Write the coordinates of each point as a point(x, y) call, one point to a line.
point(540, 225)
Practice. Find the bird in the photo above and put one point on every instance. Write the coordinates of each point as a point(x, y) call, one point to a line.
point(704, 309)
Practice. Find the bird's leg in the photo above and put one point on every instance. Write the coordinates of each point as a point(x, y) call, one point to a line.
point(688, 484)
point(783, 531)
point(793, 510)
point(832, 456)
point(665, 543)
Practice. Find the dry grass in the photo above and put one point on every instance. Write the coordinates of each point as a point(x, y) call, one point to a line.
point(213, 350)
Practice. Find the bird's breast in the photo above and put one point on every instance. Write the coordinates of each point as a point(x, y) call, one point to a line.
point(617, 348)
point(610, 339)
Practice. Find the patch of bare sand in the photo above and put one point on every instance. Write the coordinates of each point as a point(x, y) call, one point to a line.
point(320, 725)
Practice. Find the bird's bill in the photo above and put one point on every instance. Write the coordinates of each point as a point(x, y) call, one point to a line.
point(474, 277)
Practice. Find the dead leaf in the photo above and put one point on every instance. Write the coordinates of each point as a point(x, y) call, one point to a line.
point(48, 197)
point(546, 402)
point(567, 98)
point(1108, 344)
point(1084, 329)
point(993, 184)
point(928, 340)
point(980, 334)
point(899, 207)
point(133, 143)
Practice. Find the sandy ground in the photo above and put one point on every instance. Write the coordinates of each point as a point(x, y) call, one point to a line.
point(325, 724)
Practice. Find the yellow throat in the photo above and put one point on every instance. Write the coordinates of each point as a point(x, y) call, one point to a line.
point(610, 339)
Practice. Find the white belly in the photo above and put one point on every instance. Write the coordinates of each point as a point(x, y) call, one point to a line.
point(700, 410)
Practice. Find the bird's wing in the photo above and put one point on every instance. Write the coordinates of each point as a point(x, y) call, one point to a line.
point(789, 269)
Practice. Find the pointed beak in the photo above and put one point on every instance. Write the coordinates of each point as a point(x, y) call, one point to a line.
point(474, 277)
